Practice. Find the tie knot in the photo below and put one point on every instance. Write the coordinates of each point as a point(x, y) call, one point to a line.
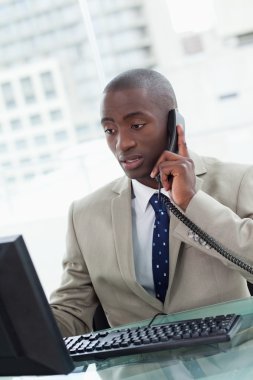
point(158, 204)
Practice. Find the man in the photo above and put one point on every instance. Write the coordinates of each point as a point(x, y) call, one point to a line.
point(109, 241)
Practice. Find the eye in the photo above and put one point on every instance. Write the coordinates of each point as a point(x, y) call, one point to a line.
point(137, 126)
point(109, 131)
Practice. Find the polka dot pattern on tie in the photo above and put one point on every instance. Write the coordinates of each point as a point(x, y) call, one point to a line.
point(160, 249)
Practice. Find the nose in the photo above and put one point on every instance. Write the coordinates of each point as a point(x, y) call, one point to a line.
point(125, 140)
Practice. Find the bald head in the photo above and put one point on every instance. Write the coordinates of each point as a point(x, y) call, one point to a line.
point(155, 83)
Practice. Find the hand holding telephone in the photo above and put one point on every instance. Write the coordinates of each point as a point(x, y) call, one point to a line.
point(175, 118)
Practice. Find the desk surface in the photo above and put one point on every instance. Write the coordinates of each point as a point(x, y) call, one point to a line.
point(232, 360)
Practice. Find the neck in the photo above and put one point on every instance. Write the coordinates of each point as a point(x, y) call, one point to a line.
point(149, 182)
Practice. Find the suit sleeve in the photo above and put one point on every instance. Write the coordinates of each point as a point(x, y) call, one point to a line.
point(75, 301)
point(234, 230)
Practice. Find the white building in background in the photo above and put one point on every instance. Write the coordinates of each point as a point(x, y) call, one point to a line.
point(35, 125)
point(85, 42)
point(35, 121)
point(211, 71)
point(31, 30)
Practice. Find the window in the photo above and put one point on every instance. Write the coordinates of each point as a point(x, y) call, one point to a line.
point(3, 148)
point(21, 144)
point(46, 39)
point(61, 136)
point(6, 164)
point(40, 140)
point(228, 96)
point(16, 124)
point(81, 132)
point(44, 157)
point(35, 119)
point(25, 161)
point(127, 38)
point(48, 84)
point(28, 176)
point(28, 90)
point(8, 95)
point(47, 171)
point(10, 180)
point(56, 115)
point(245, 38)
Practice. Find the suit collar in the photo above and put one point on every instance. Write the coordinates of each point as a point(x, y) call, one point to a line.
point(199, 164)
point(121, 185)
point(122, 230)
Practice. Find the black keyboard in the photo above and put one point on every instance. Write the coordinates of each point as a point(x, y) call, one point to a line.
point(126, 341)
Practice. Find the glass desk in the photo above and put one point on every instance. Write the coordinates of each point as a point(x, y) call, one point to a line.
point(231, 360)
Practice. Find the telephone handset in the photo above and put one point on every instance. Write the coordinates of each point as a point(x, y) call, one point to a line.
point(175, 118)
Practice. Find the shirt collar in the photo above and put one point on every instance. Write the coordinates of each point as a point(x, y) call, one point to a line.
point(142, 194)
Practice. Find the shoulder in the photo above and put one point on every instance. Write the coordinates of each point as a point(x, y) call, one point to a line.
point(227, 182)
point(214, 168)
point(228, 174)
point(102, 196)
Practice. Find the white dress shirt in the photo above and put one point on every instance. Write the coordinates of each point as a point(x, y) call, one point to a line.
point(143, 219)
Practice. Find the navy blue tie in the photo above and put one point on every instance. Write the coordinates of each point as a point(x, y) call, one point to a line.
point(160, 248)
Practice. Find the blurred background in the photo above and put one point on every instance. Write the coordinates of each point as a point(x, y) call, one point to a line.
point(55, 58)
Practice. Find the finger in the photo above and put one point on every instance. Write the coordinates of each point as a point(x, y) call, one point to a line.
point(166, 181)
point(156, 169)
point(182, 146)
point(166, 156)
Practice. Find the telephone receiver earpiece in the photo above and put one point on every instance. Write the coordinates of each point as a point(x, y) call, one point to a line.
point(174, 118)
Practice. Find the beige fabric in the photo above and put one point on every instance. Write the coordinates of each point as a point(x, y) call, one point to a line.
point(99, 260)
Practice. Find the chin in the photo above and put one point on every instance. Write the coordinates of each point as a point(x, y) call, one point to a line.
point(143, 178)
point(136, 174)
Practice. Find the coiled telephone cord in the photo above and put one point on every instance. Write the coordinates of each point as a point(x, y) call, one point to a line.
point(229, 255)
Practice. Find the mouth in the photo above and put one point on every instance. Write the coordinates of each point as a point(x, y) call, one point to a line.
point(132, 162)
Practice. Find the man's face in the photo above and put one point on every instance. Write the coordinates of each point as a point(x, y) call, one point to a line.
point(136, 133)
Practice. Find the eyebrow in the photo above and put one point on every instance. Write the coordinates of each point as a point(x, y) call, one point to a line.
point(128, 116)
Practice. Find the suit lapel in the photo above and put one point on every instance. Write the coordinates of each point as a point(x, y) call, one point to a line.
point(122, 229)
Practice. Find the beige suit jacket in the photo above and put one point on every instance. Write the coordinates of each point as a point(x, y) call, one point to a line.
point(99, 264)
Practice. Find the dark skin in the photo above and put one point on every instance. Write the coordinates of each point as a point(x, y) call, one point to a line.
point(135, 125)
